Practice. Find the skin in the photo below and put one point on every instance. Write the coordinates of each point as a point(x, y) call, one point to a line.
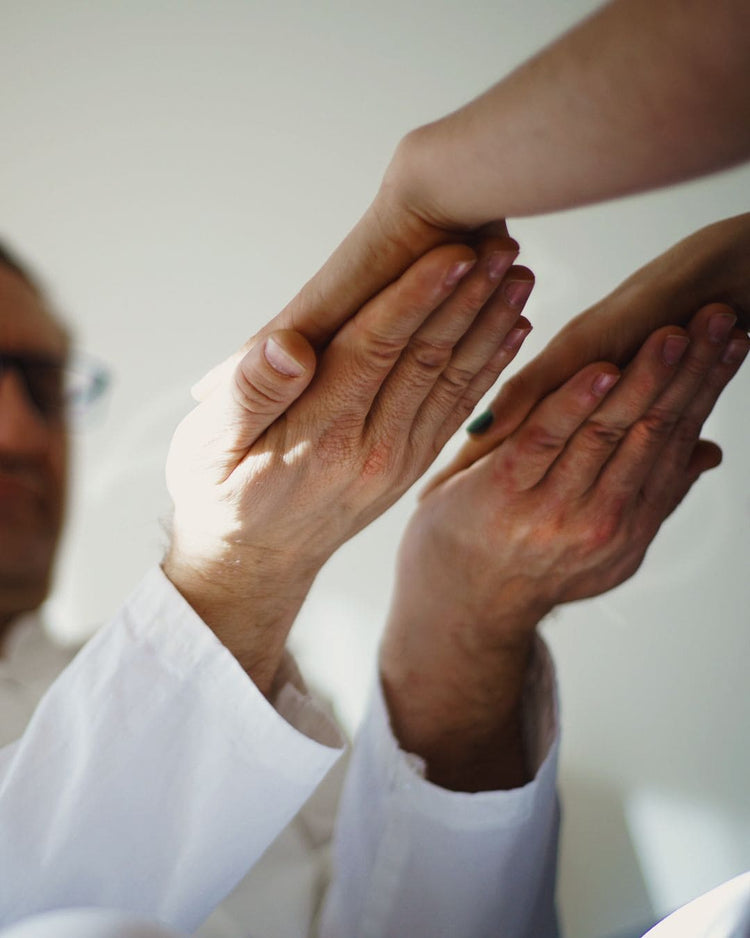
point(261, 500)
point(711, 264)
point(639, 95)
point(564, 508)
point(278, 466)
point(33, 456)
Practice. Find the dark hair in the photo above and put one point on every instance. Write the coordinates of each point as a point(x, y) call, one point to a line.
point(8, 258)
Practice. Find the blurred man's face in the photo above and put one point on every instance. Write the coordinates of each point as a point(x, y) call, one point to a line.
point(32, 445)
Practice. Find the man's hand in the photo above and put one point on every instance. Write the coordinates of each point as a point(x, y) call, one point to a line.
point(264, 492)
point(711, 265)
point(563, 509)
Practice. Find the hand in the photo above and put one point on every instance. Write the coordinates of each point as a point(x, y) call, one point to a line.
point(711, 265)
point(600, 113)
point(264, 492)
point(563, 509)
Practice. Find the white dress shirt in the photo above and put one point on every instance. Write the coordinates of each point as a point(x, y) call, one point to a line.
point(154, 775)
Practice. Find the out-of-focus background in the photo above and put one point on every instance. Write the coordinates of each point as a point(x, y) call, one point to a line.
point(176, 170)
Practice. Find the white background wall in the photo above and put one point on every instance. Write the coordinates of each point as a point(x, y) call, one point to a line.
point(177, 170)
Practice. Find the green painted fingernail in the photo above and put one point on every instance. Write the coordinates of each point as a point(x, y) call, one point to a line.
point(481, 424)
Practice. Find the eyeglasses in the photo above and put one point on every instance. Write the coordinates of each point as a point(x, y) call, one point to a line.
point(58, 387)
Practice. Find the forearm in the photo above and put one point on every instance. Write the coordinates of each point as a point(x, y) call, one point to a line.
point(641, 94)
point(454, 681)
point(468, 729)
point(251, 615)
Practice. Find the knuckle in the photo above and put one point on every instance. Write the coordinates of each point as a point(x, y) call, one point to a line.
point(472, 297)
point(541, 439)
point(687, 430)
point(467, 404)
point(606, 533)
point(656, 425)
point(256, 394)
point(455, 379)
point(694, 367)
point(336, 449)
point(598, 436)
point(378, 461)
point(430, 355)
point(378, 349)
point(458, 413)
point(337, 442)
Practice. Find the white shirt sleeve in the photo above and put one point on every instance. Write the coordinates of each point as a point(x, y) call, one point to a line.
point(414, 859)
point(152, 775)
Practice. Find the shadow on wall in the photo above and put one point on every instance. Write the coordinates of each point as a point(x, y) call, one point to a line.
point(629, 858)
point(601, 875)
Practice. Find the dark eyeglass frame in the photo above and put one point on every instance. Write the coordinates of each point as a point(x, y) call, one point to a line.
point(57, 387)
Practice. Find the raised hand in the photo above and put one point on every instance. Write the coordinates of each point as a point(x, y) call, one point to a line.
point(564, 508)
point(601, 112)
point(711, 265)
point(264, 492)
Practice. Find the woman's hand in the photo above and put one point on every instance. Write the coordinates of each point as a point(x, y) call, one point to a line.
point(636, 96)
point(711, 265)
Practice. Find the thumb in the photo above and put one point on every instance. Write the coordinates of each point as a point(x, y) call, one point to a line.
point(265, 382)
point(215, 437)
point(217, 434)
point(706, 456)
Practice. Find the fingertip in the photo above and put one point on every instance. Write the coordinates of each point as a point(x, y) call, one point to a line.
point(604, 381)
point(523, 323)
point(521, 272)
point(706, 456)
point(480, 424)
point(736, 351)
point(517, 287)
point(457, 271)
point(289, 354)
point(438, 272)
point(674, 347)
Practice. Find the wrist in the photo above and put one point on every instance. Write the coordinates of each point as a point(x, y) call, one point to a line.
point(249, 606)
point(405, 204)
point(458, 704)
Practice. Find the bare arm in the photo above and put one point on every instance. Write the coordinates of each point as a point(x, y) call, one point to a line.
point(642, 94)
point(639, 95)
point(563, 509)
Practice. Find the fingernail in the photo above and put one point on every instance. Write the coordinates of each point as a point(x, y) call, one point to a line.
point(280, 360)
point(674, 348)
point(720, 325)
point(517, 292)
point(498, 264)
point(514, 339)
point(735, 352)
point(604, 382)
point(457, 271)
point(481, 423)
